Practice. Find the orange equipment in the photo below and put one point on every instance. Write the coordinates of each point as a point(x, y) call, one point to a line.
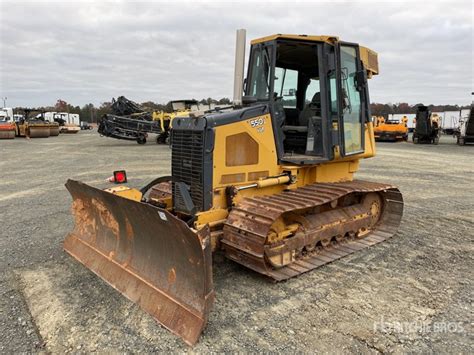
point(391, 130)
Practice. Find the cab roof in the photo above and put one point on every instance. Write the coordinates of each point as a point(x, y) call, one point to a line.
point(328, 39)
point(368, 56)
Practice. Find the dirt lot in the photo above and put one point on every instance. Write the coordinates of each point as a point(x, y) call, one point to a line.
point(412, 293)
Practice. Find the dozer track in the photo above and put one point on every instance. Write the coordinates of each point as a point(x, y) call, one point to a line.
point(332, 221)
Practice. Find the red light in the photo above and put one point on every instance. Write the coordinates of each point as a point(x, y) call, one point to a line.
point(120, 176)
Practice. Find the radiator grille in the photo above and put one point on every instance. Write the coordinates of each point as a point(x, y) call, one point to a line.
point(187, 166)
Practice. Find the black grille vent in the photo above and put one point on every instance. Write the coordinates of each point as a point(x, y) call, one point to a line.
point(187, 166)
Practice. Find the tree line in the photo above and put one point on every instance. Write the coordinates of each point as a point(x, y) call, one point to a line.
point(91, 113)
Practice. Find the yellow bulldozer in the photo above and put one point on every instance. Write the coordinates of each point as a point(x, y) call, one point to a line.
point(270, 184)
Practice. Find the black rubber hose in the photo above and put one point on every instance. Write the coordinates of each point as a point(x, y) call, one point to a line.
point(152, 183)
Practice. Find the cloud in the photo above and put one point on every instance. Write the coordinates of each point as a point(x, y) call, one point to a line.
point(90, 52)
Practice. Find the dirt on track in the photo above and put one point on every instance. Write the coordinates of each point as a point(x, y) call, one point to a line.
point(411, 293)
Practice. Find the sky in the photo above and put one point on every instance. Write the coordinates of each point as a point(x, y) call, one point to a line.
point(84, 51)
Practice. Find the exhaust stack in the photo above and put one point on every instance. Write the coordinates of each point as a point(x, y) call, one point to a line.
point(239, 66)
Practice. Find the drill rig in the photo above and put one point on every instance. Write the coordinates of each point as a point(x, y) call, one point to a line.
point(427, 126)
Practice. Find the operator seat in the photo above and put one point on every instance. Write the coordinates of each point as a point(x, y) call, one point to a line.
point(310, 110)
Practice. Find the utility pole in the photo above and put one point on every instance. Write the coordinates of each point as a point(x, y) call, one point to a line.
point(4, 101)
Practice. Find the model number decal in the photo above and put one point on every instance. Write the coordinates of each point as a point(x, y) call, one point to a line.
point(257, 122)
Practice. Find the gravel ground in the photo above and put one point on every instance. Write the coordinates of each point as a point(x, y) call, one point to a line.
point(412, 293)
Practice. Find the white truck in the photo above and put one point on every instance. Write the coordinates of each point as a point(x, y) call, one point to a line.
point(6, 114)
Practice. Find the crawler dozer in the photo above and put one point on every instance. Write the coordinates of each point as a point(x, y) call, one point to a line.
point(391, 130)
point(269, 184)
point(427, 126)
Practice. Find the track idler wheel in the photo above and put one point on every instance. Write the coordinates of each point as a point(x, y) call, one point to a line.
point(374, 205)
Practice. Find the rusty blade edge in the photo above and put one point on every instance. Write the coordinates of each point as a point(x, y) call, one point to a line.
point(195, 321)
point(190, 310)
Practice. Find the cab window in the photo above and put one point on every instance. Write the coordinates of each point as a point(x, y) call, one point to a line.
point(259, 83)
point(352, 102)
point(311, 90)
point(286, 82)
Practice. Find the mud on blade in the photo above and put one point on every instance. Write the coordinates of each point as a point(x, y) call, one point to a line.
point(147, 254)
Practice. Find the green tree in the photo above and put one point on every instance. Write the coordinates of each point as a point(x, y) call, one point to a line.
point(224, 101)
point(150, 106)
point(88, 113)
point(104, 108)
point(61, 106)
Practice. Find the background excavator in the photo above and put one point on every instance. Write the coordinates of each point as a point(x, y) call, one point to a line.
point(270, 185)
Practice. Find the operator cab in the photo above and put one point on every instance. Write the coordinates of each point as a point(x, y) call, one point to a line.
point(317, 94)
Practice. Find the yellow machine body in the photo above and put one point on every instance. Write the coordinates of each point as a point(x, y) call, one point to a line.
point(246, 144)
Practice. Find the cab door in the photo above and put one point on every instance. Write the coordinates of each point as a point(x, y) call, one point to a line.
point(353, 105)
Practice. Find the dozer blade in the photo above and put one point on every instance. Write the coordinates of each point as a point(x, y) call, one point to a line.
point(146, 253)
